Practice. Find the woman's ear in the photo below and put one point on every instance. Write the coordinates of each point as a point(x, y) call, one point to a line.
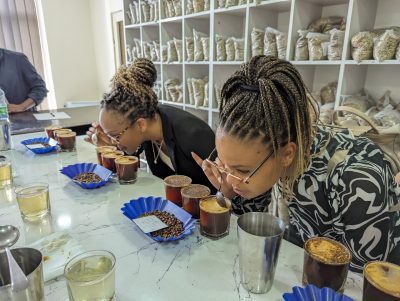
point(142, 124)
point(288, 153)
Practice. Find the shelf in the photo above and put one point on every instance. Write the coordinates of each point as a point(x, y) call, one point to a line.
point(273, 5)
point(200, 15)
point(215, 110)
point(172, 63)
point(373, 62)
point(132, 26)
point(179, 104)
point(198, 63)
point(234, 10)
point(172, 20)
point(228, 63)
point(327, 2)
point(316, 63)
point(151, 24)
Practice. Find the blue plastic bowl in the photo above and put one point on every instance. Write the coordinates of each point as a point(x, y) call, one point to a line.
point(137, 207)
point(71, 171)
point(40, 150)
point(313, 293)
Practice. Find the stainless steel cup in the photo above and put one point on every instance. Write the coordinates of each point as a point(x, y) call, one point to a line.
point(260, 235)
point(30, 260)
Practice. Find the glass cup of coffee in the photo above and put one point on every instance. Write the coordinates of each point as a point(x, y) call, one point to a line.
point(191, 196)
point(5, 172)
point(173, 185)
point(67, 141)
point(326, 263)
point(91, 276)
point(33, 200)
point(50, 130)
point(381, 281)
point(214, 219)
point(127, 168)
point(108, 159)
point(103, 149)
point(61, 131)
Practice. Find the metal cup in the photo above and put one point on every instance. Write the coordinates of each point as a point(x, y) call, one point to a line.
point(260, 235)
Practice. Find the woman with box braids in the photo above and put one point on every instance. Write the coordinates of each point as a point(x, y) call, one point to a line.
point(324, 182)
point(132, 119)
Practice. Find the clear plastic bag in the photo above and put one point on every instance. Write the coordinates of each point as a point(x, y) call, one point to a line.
point(169, 8)
point(132, 9)
point(335, 47)
point(206, 5)
point(315, 48)
point(129, 57)
point(230, 3)
point(301, 51)
point(198, 91)
point(177, 7)
point(221, 3)
point(205, 42)
point(359, 102)
point(172, 53)
point(398, 53)
point(242, 2)
point(146, 50)
point(239, 49)
point(146, 11)
point(328, 93)
point(164, 53)
point(270, 47)
point(281, 43)
point(326, 24)
point(217, 91)
point(198, 6)
point(138, 46)
point(385, 45)
point(134, 54)
point(190, 90)
point(230, 49)
point(153, 54)
point(220, 47)
point(362, 46)
point(157, 50)
point(178, 46)
point(205, 103)
point(189, 41)
point(198, 47)
point(189, 7)
point(257, 42)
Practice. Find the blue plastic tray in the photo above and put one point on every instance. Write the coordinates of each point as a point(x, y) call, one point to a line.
point(313, 293)
point(42, 150)
point(72, 171)
point(134, 208)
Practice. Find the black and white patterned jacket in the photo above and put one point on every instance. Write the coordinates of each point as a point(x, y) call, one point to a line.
point(350, 204)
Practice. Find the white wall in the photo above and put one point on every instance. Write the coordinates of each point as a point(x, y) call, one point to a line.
point(71, 49)
point(101, 11)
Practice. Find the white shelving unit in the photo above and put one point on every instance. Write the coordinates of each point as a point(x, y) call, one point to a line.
point(286, 16)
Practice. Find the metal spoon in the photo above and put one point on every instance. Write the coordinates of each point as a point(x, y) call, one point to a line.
point(9, 236)
point(222, 201)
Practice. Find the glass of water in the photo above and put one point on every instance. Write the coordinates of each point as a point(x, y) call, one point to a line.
point(91, 276)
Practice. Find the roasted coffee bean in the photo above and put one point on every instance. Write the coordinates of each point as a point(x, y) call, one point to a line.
point(87, 177)
point(175, 226)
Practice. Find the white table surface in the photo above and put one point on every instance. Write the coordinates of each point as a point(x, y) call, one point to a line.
point(195, 268)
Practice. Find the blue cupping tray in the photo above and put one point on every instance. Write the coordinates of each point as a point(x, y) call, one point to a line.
point(313, 293)
point(139, 206)
point(72, 171)
point(40, 150)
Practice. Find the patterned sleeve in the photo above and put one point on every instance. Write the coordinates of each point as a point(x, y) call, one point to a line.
point(241, 205)
point(360, 197)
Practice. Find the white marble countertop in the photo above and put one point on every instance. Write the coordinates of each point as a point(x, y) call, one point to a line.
point(195, 268)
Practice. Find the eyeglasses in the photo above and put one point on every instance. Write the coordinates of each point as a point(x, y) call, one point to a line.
point(223, 170)
point(116, 138)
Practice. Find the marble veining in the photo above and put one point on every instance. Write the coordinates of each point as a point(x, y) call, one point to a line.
point(195, 268)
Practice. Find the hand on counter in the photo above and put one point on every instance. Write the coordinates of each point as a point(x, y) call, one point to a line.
point(102, 138)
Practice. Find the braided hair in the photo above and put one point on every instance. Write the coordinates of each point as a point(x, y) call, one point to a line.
point(267, 99)
point(132, 92)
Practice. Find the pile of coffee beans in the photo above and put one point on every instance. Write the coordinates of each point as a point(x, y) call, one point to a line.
point(175, 226)
point(87, 177)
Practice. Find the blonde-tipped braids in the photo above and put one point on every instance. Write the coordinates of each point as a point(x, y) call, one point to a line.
point(267, 99)
point(132, 92)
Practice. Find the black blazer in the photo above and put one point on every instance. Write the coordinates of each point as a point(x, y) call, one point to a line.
point(183, 133)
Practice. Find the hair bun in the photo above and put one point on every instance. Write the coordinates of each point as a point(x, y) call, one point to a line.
point(144, 71)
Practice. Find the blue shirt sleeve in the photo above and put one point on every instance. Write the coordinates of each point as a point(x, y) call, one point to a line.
point(36, 84)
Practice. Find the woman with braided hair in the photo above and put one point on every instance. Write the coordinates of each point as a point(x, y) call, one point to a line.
point(132, 119)
point(267, 143)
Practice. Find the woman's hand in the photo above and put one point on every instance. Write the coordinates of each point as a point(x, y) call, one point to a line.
point(217, 179)
point(102, 138)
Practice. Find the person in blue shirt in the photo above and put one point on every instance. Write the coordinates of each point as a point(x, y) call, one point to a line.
point(23, 86)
